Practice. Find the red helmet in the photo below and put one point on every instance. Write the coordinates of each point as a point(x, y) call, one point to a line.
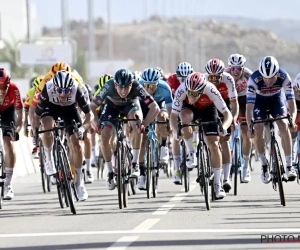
point(4, 77)
point(215, 66)
point(195, 82)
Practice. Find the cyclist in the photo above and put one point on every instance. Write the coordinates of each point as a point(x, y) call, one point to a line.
point(161, 93)
point(60, 98)
point(102, 80)
point(121, 94)
point(264, 96)
point(28, 100)
point(225, 85)
point(10, 105)
point(241, 75)
point(198, 98)
point(162, 75)
point(183, 70)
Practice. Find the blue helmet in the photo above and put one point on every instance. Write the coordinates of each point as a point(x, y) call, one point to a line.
point(151, 75)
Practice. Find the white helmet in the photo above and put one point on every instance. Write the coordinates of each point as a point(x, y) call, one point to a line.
point(184, 69)
point(268, 67)
point(236, 60)
point(215, 66)
point(63, 79)
point(297, 83)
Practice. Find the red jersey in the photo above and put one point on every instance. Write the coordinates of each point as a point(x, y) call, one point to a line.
point(173, 82)
point(12, 97)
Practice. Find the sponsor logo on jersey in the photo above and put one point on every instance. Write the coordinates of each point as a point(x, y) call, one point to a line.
point(240, 87)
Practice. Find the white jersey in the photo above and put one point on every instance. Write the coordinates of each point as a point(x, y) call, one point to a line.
point(297, 79)
point(85, 93)
point(226, 86)
point(210, 96)
point(241, 84)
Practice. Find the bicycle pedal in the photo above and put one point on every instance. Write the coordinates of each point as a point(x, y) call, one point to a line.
point(221, 198)
point(291, 179)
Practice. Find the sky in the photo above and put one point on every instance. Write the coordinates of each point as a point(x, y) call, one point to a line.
point(123, 11)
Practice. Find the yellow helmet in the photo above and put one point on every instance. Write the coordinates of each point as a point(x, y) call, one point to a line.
point(36, 82)
point(60, 66)
point(103, 79)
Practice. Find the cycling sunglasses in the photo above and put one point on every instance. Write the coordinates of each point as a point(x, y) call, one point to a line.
point(61, 90)
point(194, 94)
point(151, 85)
point(236, 68)
point(214, 77)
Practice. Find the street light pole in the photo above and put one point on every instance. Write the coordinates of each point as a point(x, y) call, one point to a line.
point(109, 33)
point(91, 38)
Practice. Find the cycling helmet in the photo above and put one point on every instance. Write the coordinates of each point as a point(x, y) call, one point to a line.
point(297, 83)
point(4, 77)
point(123, 78)
point(160, 71)
point(60, 66)
point(36, 82)
point(151, 75)
point(195, 82)
point(137, 75)
point(103, 79)
point(79, 76)
point(63, 79)
point(236, 60)
point(215, 66)
point(184, 69)
point(268, 67)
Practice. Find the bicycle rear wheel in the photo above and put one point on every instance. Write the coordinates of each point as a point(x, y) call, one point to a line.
point(202, 162)
point(66, 178)
point(149, 167)
point(278, 164)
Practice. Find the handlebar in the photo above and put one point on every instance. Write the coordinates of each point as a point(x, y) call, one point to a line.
point(122, 119)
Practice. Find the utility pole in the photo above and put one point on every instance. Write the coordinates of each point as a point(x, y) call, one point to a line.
point(109, 32)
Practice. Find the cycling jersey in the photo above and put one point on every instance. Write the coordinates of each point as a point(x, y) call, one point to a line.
point(109, 91)
point(241, 84)
point(297, 96)
point(226, 87)
point(162, 93)
point(210, 96)
point(29, 98)
point(47, 78)
point(257, 89)
point(12, 98)
point(49, 96)
point(173, 82)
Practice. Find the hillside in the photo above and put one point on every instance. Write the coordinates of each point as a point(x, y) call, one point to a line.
point(186, 39)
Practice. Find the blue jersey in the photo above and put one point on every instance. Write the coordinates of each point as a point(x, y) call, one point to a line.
point(257, 89)
point(162, 93)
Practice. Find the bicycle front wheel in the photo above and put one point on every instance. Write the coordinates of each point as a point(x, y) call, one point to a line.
point(2, 178)
point(66, 178)
point(236, 163)
point(149, 167)
point(119, 177)
point(202, 162)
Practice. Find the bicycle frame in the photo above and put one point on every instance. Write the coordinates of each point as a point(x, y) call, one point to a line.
point(236, 136)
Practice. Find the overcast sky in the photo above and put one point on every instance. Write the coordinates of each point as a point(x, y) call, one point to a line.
point(127, 10)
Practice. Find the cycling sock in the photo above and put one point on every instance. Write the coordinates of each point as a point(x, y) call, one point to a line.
point(78, 176)
point(93, 152)
point(88, 164)
point(9, 174)
point(195, 140)
point(263, 159)
point(288, 159)
point(226, 169)
point(189, 145)
point(48, 153)
point(176, 162)
point(163, 142)
point(136, 154)
point(294, 151)
point(108, 166)
point(217, 175)
point(246, 161)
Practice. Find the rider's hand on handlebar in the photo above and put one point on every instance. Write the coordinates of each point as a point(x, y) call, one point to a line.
point(294, 128)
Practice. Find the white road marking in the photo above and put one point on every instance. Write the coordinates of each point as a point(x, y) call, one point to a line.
point(146, 225)
point(162, 231)
point(123, 243)
point(164, 209)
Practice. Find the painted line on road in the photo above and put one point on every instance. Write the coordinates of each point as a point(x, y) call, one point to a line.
point(123, 243)
point(146, 225)
point(162, 231)
point(164, 209)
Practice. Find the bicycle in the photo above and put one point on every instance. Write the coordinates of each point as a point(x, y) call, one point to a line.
point(275, 155)
point(123, 157)
point(64, 177)
point(204, 171)
point(185, 173)
point(2, 153)
point(237, 158)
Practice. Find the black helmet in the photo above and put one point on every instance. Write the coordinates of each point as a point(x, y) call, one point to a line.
point(123, 77)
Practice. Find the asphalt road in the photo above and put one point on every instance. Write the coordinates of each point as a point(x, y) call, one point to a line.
point(174, 220)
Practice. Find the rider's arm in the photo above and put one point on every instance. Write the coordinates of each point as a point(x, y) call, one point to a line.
point(214, 95)
point(251, 98)
point(232, 96)
point(167, 95)
point(42, 104)
point(179, 96)
point(85, 107)
point(290, 97)
point(18, 104)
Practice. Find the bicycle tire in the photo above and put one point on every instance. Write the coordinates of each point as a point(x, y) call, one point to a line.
point(124, 179)
point(66, 180)
point(42, 168)
point(60, 194)
point(185, 171)
point(278, 170)
point(155, 174)
point(204, 179)
point(119, 177)
point(252, 158)
point(133, 183)
point(48, 183)
point(2, 176)
point(236, 164)
point(149, 167)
